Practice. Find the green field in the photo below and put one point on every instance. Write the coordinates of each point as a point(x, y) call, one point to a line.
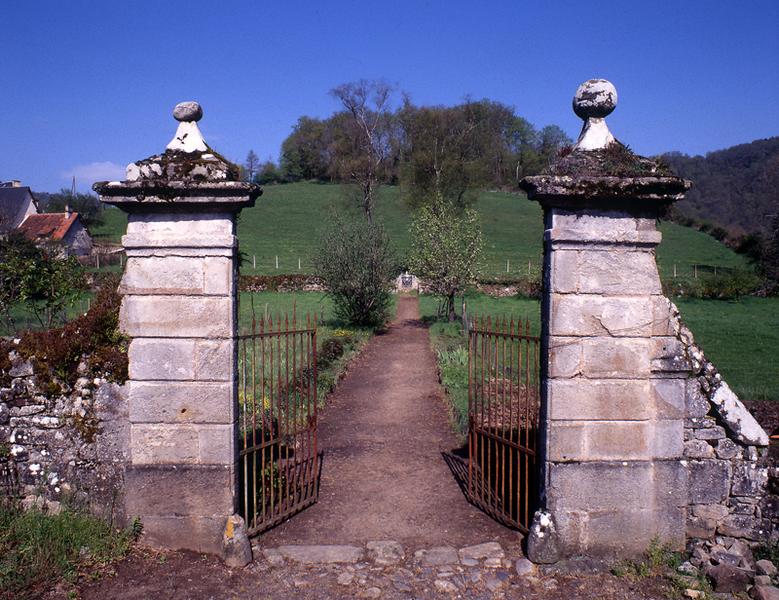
point(740, 337)
point(287, 220)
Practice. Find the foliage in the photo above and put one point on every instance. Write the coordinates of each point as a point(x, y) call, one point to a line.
point(38, 548)
point(734, 188)
point(500, 146)
point(445, 250)
point(729, 284)
point(95, 334)
point(357, 265)
point(36, 278)
point(88, 207)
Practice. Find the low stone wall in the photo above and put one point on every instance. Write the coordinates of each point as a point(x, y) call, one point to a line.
point(733, 484)
point(68, 447)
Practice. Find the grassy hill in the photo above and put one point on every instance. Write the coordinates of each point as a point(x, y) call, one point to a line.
point(287, 219)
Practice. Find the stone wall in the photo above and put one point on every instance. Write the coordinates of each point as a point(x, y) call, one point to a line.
point(733, 483)
point(68, 447)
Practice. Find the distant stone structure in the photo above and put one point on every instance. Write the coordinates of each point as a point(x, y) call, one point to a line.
point(626, 396)
point(179, 308)
point(406, 282)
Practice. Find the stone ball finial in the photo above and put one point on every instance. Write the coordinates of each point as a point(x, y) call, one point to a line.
point(595, 99)
point(188, 111)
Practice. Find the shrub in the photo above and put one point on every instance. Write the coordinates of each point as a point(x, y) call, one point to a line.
point(356, 264)
point(727, 285)
point(95, 334)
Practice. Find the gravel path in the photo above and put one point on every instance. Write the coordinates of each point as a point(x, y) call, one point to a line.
point(383, 476)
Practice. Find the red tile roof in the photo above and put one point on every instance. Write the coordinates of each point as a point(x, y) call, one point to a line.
point(53, 226)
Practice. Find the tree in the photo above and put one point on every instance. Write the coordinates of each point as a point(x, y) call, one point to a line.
point(368, 104)
point(88, 207)
point(251, 165)
point(442, 158)
point(268, 172)
point(357, 265)
point(446, 244)
point(34, 278)
point(304, 154)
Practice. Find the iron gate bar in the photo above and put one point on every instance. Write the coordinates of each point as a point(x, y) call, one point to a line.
point(503, 404)
point(278, 393)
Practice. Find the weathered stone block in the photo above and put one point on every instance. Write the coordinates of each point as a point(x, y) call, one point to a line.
point(565, 357)
point(745, 527)
point(696, 403)
point(709, 481)
point(589, 315)
point(615, 440)
point(727, 449)
point(615, 358)
point(604, 531)
point(179, 226)
point(749, 480)
point(709, 433)
point(213, 360)
point(177, 316)
point(669, 398)
point(181, 490)
point(698, 449)
point(564, 275)
point(161, 359)
point(616, 485)
point(157, 444)
point(181, 402)
point(618, 272)
point(199, 534)
point(218, 275)
point(162, 275)
point(668, 356)
point(588, 399)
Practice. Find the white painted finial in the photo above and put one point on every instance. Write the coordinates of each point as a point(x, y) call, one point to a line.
point(594, 100)
point(188, 137)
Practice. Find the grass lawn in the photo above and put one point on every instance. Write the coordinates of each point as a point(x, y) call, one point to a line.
point(288, 218)
point(740, 337)
point(329, 329)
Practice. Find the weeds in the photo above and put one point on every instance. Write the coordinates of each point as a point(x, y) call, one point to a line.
point(38, 548)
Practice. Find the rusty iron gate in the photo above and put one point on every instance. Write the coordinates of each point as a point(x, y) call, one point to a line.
point(503, 416)
point(277, 394)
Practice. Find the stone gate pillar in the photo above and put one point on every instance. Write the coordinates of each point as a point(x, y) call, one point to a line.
point(612, 434)
point(179, 309)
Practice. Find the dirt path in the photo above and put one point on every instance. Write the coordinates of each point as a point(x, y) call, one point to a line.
point(383, 476)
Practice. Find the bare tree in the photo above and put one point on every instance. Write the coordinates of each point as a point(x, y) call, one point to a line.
point(251, 165)
point(368, 104)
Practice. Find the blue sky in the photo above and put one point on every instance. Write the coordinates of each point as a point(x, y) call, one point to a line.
point(89, 86)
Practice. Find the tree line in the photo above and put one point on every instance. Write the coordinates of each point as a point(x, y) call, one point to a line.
point(380, 135)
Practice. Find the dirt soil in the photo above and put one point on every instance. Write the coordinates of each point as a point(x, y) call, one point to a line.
point(383, 476)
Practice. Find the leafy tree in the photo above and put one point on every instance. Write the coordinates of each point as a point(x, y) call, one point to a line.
point(36, 279)
point(443, 158)
point(368, 136)
point(446, 244)
point(357, 265)
point(304, 154)
point(268, 172)
point(88, 207)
